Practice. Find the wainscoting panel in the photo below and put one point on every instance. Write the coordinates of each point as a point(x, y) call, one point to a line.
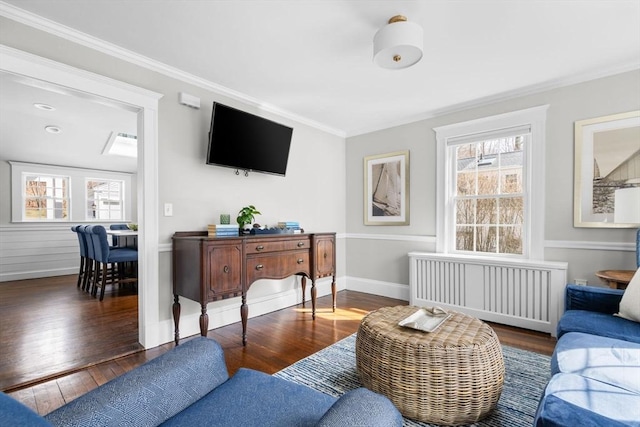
point(527, 294)
point(29, 252)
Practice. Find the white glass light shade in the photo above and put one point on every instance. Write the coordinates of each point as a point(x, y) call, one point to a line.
point(398, 45)
point(627, 206)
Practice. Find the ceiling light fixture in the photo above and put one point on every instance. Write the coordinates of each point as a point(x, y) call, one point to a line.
point(53, 129)
point(398, 44)
point(45, 107)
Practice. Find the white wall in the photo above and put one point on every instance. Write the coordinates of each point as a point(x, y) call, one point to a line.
point(378, 253)
point(313, 192)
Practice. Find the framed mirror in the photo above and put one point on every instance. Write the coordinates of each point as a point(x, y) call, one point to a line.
point(607, 171)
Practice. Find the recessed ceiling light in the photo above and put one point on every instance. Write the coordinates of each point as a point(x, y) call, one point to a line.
point(53, 129)
point(44, 107)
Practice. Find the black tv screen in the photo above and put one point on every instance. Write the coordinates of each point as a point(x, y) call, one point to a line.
point(243, 141)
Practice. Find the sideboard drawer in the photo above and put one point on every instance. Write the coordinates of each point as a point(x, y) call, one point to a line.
point(272, 245)
point(277, 266)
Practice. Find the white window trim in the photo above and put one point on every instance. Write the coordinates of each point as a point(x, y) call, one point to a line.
point(77, 189)
point(534, 176)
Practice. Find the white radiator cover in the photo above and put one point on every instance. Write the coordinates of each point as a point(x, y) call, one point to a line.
point(523, 293)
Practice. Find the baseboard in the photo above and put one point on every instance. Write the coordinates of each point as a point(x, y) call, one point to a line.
point(37, 274)
point(377, 287)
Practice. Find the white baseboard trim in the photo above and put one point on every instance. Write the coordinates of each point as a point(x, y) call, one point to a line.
point(378, 287)
point(37, 274)
point(226, 312)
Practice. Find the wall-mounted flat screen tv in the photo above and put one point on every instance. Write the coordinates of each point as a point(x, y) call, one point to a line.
point(243, 141)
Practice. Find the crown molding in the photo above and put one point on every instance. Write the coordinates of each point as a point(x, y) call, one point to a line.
point(75, 36)
point(592, 74)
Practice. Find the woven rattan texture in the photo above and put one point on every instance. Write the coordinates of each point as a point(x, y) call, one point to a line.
point(451, 376)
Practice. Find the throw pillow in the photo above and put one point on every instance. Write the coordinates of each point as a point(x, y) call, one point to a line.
point(630, 303)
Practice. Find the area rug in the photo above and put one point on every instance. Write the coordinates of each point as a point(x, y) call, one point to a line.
point(333, 371)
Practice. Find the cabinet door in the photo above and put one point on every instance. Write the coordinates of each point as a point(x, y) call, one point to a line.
point(224, 271)
point(325, 256)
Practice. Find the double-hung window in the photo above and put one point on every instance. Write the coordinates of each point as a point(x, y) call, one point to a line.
point(491, 185)
point(45, 197)
point(105, 199)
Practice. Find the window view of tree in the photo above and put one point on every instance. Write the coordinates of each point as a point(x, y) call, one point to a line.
point(489, 200)
point(105, 200)
point(46, 198)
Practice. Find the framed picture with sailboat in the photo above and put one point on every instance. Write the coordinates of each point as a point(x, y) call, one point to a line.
point(386, 189)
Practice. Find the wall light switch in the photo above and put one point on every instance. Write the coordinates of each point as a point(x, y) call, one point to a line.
point(168, 209)
point(581, 282)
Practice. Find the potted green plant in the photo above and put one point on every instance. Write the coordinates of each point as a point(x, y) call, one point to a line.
point(246, 215)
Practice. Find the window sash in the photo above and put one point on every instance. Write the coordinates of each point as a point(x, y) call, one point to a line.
point(48, 202)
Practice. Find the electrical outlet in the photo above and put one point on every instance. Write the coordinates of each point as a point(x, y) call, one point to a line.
point(168, 209)
point(581, 282)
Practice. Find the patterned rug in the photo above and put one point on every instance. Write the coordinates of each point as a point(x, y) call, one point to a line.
point(333, 371)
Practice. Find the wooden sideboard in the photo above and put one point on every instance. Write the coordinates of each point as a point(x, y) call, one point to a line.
point(207, 269)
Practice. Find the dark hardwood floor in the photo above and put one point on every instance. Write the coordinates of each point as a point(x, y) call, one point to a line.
point(48, 326)
point(276, 340)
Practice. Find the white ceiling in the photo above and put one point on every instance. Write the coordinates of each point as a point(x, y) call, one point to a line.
point(312, 59)
point(86, 125)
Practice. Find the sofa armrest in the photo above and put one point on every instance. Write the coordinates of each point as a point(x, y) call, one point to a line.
point(152, 393)
point(592, 298)
point(361, 407)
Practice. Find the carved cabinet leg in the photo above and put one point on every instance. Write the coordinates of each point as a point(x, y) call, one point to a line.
point(303, 285)
point(333, 292)
point(314, 292)
point(176, 318)
point(204, 320)
point(244, 314)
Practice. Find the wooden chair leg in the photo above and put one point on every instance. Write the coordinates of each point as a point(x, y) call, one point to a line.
point(81, 272)
point(104, 280)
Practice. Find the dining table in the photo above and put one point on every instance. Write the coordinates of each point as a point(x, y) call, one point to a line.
point(125, 238)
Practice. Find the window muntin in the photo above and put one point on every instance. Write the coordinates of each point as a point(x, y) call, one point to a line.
point(488, 199)
point(105, 199)
point(45, 197)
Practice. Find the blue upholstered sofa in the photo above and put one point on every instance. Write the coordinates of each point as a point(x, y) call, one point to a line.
point(190, 386)
point(595, 366)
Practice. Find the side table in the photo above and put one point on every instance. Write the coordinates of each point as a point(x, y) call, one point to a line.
point(616, 279)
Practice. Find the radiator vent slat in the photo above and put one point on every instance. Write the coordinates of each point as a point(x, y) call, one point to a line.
point(523, 294)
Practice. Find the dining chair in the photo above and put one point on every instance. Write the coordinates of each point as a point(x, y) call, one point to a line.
point(91, 264)
point(107, 260)
point(84, 260)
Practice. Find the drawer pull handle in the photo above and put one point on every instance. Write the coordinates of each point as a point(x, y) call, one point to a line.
point(226, 269)
point(325, 255)
point(259, 267)
point(259, 248)
point(300, 244)
point(300, 260)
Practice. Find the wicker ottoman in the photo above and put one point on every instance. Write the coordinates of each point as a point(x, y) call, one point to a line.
point(451, 376)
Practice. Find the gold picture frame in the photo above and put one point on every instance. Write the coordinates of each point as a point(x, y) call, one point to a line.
point(386, 189)
point(607, 158)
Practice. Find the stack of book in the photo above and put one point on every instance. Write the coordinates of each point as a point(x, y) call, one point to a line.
point(290, 225)
point(223, 230)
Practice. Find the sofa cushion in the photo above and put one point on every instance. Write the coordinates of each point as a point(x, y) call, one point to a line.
point(602, 324)
point(358, 408)
point(571, 399)
point(605, 359)
point(151, 393)
point(252, 398)
point(630, 303)
point(15, 414)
